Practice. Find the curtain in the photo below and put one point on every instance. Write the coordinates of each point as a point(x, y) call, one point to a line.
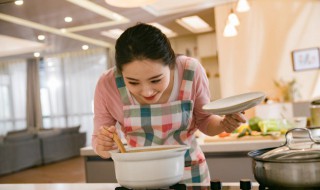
point(58, 90)
point(81, 73)
point(34, 115)
point(67, 88)
point(12, 95)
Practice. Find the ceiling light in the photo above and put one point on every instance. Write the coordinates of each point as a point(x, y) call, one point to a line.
point(85, 47)
point(194, 23)
point(229, 30)
point(243, 6)
point(129, 3)
point(19, 2)
point(169, 33)
point(60, 32)
point(41, 37)
point(114, 33)
point(233, 19)
point(68, 19)
point(36, 54)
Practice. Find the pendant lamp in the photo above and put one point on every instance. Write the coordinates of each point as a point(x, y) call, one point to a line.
point(243, 6)
point(230, 30)
point(233, 18)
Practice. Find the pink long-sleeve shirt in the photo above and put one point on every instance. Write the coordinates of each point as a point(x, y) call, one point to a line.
point(108, 107)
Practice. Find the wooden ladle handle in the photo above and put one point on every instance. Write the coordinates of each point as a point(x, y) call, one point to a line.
point(117, 140)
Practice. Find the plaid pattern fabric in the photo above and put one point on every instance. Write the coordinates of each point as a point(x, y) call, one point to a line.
point(167, 124)
point(158, 124)
point(187, 81)
point(124, 92)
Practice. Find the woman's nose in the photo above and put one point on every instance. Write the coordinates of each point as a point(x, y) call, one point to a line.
point(147, 91)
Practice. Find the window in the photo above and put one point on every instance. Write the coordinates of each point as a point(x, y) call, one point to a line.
point(12, 96)
point(67, 88)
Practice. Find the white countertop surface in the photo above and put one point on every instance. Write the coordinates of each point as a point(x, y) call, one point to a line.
point(77, 186)
point(60, 186)
point(223, 146)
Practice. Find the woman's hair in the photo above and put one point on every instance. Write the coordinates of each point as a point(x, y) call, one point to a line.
point(141, 42)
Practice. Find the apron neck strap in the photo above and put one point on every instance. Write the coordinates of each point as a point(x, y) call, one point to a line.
point(187, 80)
point(124, 93)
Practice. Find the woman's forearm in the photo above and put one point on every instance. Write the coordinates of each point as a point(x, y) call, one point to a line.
point(213, 128)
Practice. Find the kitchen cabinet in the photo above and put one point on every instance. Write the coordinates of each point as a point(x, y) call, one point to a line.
point(227, 160)
point(206, 44)
point(99, 170)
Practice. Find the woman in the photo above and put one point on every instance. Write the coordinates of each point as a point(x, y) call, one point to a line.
point(156, 98)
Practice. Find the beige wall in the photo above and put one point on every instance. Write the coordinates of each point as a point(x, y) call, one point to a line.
point(261, 52)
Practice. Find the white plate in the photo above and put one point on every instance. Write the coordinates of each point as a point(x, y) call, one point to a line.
point(234, 104)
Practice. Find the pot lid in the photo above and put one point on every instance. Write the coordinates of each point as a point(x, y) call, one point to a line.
point(307, 150)
point(315, 102)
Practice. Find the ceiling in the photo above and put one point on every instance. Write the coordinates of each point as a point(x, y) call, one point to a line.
point(90, 18)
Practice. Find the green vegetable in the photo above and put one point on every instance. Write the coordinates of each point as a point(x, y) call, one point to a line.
point(271, 125)
point(254, 123)
point(244, 132)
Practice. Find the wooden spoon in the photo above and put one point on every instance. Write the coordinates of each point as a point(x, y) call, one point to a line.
point(119, 143)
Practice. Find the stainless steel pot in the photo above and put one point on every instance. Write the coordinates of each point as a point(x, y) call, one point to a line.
point(150, 169)
point(295, 164)
point(315, 132)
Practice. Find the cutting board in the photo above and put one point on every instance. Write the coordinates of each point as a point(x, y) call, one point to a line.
point(234, 137)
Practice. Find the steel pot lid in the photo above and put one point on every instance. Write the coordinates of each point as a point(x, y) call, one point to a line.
point(315, 102)
point(294, 151)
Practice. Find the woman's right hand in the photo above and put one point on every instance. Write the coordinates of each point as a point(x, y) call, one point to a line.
point(104, 141)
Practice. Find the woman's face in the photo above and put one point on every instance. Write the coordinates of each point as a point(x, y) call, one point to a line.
point(146, 80)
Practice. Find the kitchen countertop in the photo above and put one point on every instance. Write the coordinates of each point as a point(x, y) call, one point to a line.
point(82, 186)
point(60, 186)
point(235, 145)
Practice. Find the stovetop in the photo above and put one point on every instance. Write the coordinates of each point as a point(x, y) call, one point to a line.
point(244, 184)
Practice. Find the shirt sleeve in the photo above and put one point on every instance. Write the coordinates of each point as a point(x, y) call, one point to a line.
point(201, 96)
point(103, 97)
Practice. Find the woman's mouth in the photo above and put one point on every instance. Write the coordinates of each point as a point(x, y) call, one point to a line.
point(150, 97)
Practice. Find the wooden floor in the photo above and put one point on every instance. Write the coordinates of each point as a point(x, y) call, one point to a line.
point(68, 171)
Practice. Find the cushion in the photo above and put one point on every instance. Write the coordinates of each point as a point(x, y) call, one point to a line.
point(70, 130)
point(17, 131)
point(48, 132)
point(14, 137)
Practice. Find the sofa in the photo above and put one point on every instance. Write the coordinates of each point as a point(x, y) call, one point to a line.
point(24, 149)
point(61, 143)
point(19, 151)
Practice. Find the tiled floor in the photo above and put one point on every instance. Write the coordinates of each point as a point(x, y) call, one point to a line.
point(68, 171)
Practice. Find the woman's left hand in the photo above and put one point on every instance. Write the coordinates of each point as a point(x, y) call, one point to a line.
point(230, 122)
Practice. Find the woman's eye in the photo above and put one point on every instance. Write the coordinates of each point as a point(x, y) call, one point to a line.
point(133, 83)
point(156, 81)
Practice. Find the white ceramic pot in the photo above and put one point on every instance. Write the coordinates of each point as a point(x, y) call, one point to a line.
point(150, 169)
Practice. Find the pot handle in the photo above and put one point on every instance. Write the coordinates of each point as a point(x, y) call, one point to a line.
point(289, 136)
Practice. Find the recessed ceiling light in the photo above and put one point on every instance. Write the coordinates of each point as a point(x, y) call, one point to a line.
point(169, 33)
point(36, 54)
point(19, 2)
point(85, 47)
point(194, 23)
point(129, 3)
point(68, 19)
point(114, 33)
point(41, 37)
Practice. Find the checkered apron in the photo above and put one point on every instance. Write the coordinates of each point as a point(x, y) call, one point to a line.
point(167, 124)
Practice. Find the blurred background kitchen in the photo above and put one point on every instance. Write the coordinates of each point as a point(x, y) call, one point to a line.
point(53, 52)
